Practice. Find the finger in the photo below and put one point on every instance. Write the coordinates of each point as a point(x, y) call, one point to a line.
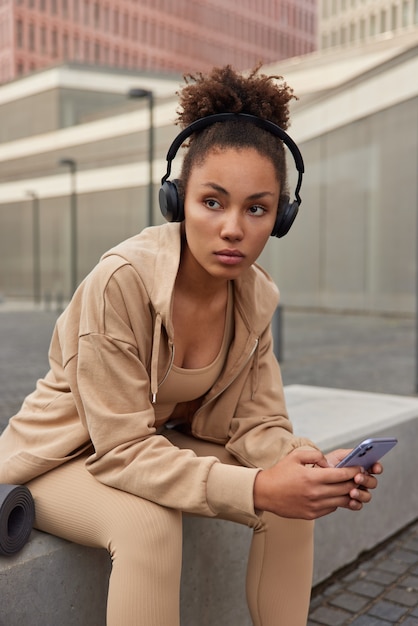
point(354, 505)
point(310, 457)
point(360, 495)
point(377, 468)
point(336, 456)
point(339, 475)
point(343, 502)
point(329, 505)
point(366, 481)
point(331, 495)
point(321, 462)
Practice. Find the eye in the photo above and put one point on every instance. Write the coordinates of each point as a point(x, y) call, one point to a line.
point(211, 203)
point(256, 210)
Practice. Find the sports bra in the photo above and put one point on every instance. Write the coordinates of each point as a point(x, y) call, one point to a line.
point(183, 385)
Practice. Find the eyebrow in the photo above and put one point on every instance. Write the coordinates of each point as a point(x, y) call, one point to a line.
point(253, 196)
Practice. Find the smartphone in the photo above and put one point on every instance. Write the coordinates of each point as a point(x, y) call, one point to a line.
point(368, 452)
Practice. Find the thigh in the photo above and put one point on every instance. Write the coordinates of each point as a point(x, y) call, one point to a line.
point(142, 538)
point(72, 504)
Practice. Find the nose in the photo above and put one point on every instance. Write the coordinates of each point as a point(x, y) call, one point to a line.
point(232, 227)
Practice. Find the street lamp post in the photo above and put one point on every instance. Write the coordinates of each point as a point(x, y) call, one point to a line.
point(146, 93)
point(36, 246)
point(71, 163)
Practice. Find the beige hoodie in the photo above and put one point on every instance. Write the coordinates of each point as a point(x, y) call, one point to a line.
point(111, 349)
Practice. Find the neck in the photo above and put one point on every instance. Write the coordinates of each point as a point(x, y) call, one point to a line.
point(195, 281)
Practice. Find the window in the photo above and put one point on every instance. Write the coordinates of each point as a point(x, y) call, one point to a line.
point(76, 48)
point(86, 13)
point(86, 50)
point(31, 43)
point(96, 15)
point(54, 43)
point(135, 28)
point(362, 29)
point(65, 47)
point(383, 25)
point(19, 33)
point(394, 15)
point(43, 40)
point(372, 25)
point(405, 13)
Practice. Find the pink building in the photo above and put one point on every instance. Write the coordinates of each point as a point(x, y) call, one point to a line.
point(157, 35)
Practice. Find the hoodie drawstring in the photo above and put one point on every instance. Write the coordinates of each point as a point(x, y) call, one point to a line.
point(154, 357)
point(255, 372)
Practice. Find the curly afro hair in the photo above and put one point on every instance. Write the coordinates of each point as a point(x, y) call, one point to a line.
point(224, 90)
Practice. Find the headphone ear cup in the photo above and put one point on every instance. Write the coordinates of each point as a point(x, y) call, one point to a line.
point(171, 203)
point(285, 218)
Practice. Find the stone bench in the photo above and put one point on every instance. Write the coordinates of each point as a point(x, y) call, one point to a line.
point(54, 582)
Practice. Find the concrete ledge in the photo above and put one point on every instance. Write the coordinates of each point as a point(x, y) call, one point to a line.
point(335, 418)
point(55, 582)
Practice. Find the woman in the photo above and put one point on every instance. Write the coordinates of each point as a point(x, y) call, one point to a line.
point(163, 395)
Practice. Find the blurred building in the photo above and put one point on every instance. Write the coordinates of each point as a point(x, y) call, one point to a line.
point(349, 23)
point(158, 35)
point(354, 243)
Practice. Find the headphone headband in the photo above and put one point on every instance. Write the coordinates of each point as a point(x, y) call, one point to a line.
point(171, 204)
point(271, 127)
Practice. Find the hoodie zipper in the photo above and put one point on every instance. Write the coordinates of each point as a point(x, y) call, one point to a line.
point(154, 395)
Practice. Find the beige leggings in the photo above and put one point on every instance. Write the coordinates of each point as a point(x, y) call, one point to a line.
point(144, 541)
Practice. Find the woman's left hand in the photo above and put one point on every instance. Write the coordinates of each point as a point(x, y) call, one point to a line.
point(364, 479)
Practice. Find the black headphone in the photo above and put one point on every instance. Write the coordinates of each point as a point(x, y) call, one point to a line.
point(171, 203)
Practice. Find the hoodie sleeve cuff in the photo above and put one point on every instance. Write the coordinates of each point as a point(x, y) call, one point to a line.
point(230, 490)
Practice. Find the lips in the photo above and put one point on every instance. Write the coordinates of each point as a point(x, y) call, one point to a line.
point(230, 257)
point(231, 253)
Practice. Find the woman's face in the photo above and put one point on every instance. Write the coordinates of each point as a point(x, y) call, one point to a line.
point(230, 208)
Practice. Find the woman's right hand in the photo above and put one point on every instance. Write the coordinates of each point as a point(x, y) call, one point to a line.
point(302, 485)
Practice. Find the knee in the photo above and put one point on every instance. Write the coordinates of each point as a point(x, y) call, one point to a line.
point(292, 529)
point(144, 528)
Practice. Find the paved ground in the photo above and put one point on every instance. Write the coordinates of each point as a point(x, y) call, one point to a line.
point(345, 351)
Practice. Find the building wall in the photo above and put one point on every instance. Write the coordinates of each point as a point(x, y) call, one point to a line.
point(71, 94)
point(353, 245)
point(352, 22)
point(168, 35)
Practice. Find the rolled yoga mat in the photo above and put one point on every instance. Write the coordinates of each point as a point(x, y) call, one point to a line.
point(17, 513)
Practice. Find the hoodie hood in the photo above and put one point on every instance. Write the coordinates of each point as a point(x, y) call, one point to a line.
point(158, 249)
